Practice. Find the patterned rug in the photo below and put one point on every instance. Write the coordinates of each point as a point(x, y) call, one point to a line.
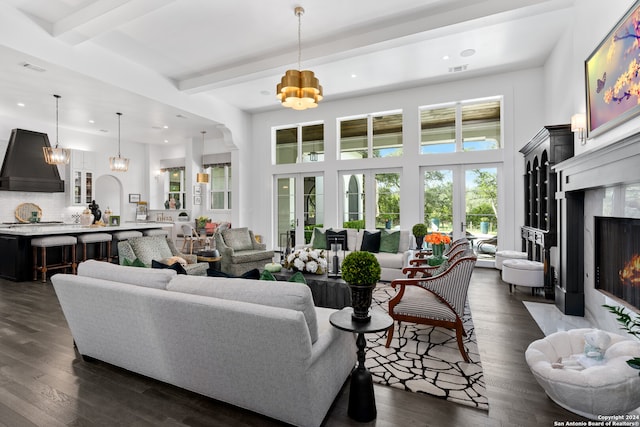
point(425, 359)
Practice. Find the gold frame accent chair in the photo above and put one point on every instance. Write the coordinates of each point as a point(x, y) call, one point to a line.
point(438, 300)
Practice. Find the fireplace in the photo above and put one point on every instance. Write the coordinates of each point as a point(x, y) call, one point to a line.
point(617, 258)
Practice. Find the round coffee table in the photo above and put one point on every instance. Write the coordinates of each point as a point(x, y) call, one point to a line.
point(362, 400)
point(214, 261)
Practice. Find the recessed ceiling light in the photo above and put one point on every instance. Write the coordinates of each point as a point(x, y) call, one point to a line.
point(445, 57)
point(33, 67)
point(104, 131)
point(92, 121)
point(166, 141)
point(467, 52)
point(20, 104)
point(165, 127)
point(180, 116)
point(353, 76)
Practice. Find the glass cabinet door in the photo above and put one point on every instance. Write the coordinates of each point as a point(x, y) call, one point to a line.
point(88, 186)
point(77, 187)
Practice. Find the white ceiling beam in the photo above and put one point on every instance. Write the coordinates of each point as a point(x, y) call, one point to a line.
point(432, 23)
point(102, 16)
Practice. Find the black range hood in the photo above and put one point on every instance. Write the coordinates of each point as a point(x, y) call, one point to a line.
point(24, 168)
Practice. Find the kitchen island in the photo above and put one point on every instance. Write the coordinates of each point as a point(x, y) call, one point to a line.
point(16, 260)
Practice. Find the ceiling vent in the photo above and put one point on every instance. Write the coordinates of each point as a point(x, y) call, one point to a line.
point(33, 67)
point(458, 68)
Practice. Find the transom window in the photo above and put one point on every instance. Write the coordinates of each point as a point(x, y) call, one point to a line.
point(461, 126)
point(220, 186)
point(299, 144)
point(373, 135)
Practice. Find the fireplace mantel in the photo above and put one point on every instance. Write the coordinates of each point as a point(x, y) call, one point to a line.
point(612, 164)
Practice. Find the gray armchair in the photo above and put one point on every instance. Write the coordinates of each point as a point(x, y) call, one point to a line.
point(241, 251)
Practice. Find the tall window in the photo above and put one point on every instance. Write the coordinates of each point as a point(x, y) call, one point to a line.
point(461, 126)
point(299, 144)
point(220, 186)
point(374, 135)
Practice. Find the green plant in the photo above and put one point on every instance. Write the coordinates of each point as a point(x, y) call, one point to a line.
point(419, 229)
point(361, 268)
point(201, 221)
point(632, 326)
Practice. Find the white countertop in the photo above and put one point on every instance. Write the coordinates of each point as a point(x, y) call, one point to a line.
point(29, 230)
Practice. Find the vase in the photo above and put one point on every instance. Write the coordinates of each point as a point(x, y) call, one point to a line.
point(361, 296)
point(437, 256)
point(419, 241)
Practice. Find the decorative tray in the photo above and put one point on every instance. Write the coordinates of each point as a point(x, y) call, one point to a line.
point(23, 211)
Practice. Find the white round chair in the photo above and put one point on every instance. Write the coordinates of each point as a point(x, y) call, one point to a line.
point(501, 256)
point(523, 272)
point(609, 388)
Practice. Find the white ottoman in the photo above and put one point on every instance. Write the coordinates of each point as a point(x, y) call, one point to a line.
point(522, 272)
point(501, 256)
point(611, 388)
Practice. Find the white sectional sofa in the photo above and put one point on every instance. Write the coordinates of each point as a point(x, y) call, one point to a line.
point(391, 264)
point(259, 345)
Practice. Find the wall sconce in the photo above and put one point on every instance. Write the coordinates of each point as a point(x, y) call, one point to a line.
point(578, 125)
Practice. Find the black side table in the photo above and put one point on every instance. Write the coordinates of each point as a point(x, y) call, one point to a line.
point(362, 401)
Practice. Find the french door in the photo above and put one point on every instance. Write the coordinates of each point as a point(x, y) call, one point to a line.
point(299, 208)
point(462, 200)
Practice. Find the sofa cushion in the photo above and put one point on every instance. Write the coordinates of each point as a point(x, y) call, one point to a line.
point(390, 242)
point(332, 235)
point(132, 275)
point(238, 239)
point(371, 241)
point(319, 239)
point(148, 248)
point(176, 266)
point(281, 294)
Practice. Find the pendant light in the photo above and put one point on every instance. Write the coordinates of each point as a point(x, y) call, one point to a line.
point(56, 155)
point(203, 177)
point(119, 164)
point(299, 89)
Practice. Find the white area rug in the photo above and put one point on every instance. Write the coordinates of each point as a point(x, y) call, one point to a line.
point(424, 359)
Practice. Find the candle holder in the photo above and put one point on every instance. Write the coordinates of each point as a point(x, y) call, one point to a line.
point(335, 245)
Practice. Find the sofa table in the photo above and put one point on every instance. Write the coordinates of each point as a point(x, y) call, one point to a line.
point(362, 400)
point(329, 292)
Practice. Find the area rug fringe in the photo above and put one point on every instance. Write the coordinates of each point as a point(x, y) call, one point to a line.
point(424, 359)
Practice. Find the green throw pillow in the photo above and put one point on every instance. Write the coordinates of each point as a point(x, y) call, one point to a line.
point(266, 275)
point(319, 239)
point(135, 263)
point(298, 277)
point(389, 242)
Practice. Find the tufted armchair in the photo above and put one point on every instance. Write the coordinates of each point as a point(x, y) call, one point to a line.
point(241, 251)
point(158, 248)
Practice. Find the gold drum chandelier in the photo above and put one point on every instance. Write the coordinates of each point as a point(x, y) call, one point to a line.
point(299, 89)
point(202, 177)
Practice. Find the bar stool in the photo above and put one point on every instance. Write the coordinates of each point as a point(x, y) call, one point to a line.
point(119, 236)
point(98, 238)
point(156, 232)
point(43, 243)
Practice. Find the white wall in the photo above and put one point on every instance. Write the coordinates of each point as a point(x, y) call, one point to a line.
point(523, 117)
point(565, 95)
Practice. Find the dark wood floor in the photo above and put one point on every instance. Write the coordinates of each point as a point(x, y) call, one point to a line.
point(44, 383)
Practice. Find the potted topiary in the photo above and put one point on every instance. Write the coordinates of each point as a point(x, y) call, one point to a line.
point(361, 270)
point(419, 231)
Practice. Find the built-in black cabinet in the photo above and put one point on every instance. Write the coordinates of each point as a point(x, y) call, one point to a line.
point(551, 145)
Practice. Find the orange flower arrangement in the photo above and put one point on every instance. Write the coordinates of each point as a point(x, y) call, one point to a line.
point(437, 239)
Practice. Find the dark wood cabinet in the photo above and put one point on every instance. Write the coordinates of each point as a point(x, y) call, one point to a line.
point(15, 261)
point(551, 145)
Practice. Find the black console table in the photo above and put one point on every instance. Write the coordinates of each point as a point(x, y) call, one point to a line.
point(362, 400)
